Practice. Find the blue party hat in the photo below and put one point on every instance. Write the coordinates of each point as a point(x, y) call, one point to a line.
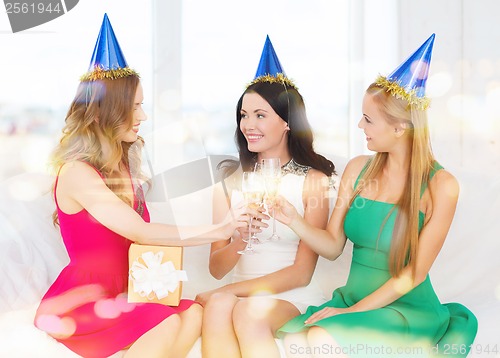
point(107, 61)
point(269, 63)
point(269, 68)
point(408, 80)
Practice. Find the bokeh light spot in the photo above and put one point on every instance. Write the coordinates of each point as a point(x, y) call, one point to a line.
point(107, 308)
point(122, 303)
point(419, 69)
point(439, 84)
point(24, 190)
point(260, 307)
point(56, 326)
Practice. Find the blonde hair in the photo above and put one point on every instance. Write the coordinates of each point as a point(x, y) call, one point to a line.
point(404, 246)
point(100, 115)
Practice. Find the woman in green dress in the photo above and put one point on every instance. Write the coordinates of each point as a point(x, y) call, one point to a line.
point(396, 207)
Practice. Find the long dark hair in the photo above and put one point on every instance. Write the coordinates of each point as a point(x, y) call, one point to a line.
point(287, 102)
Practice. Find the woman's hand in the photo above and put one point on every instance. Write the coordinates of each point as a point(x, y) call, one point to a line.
point(202, 298)
point(284, 212)
point(325, 313)
point(238, 218)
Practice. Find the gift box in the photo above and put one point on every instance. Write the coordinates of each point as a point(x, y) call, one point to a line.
point(155, 274)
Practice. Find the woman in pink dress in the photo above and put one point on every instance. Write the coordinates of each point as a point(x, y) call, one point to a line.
point(100, 210)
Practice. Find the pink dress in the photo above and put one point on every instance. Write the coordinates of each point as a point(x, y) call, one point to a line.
point(86, 307)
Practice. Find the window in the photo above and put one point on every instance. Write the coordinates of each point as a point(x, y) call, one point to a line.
point(222, 42)
point(40, 72)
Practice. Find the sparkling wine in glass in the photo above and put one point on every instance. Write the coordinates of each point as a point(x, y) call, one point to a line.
point(271, 171)
point(253, 192)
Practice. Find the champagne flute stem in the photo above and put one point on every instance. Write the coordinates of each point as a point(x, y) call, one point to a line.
point(274, 223)
point(249, 243)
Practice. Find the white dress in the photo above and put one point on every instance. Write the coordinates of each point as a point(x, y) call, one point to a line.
point(272, 256)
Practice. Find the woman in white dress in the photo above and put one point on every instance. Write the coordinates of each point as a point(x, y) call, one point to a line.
point(275, 283)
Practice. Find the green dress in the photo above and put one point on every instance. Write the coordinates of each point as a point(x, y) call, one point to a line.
point(416, 324)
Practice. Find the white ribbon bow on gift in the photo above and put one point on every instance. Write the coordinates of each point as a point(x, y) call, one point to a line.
point(154, 278)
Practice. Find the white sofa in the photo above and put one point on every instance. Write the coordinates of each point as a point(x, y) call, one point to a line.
point(467, 270)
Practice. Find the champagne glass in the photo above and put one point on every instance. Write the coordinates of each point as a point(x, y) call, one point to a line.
point(259, 201)
point(253, 192)
point(271, 171)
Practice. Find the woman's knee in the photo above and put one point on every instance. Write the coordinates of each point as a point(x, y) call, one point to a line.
point(193, 312)
point(170, 324)
point(316, 331)
point(263, 309)
point(193, 315)
point(221, 301)
point(296, 344)
point(243, 310)
point(219, 306)
point(252, 314)
point(318, 336)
